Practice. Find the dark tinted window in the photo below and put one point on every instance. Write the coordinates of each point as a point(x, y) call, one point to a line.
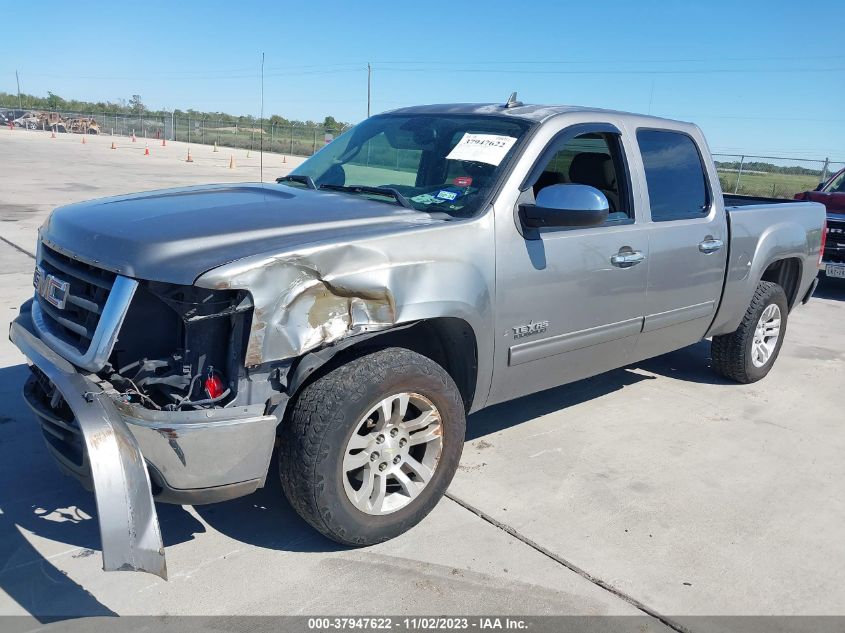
point(677, 188)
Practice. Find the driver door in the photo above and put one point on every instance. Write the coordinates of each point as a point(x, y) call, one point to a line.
point(568, 306)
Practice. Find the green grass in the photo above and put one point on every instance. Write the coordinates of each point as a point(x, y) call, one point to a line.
point(769, 185)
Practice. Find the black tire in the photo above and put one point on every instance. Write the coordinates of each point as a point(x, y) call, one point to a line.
point(731, 353)
point(321, 422)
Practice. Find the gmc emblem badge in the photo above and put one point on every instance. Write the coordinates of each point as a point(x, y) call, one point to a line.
point(51, 288)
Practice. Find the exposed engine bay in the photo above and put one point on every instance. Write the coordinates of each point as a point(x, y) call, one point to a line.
point(180, 347)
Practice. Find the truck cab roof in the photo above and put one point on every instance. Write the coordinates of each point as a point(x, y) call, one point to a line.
point(531, 112)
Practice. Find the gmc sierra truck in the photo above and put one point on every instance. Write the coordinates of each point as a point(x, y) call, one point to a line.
point(427, 263)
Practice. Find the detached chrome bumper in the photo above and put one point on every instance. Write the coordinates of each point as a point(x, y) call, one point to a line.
point(129, 528)
point(116, 448)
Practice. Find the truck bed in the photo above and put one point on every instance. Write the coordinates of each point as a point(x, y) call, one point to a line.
point(763, 230)
point(733, 200)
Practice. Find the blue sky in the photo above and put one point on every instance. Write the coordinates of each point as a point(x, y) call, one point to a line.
point(758, 77)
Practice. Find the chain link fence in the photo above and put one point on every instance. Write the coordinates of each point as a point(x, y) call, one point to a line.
point(768, 176)
point(772, 176)
point(244, 133)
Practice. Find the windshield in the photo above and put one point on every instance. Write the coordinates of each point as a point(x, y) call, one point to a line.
point(446, 163)
point(837, 185)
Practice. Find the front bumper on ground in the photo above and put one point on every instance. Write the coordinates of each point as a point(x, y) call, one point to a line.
point(191, 456)
point(129, 528)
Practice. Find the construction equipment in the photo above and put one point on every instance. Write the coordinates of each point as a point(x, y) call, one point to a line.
point(51, 121)
point(55, 121)
point(83, 125)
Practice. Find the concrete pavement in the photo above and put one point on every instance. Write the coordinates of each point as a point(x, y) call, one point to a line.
point(658, 488)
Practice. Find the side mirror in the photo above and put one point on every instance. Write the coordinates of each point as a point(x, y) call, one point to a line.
point(819, 186)
point(566, 205)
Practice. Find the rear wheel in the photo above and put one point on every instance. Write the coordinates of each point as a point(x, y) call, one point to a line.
point(748, 354)
point(369, 448)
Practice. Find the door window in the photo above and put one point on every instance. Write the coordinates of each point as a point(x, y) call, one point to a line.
point(593, 159)
point(837, 185)
point(677, 185)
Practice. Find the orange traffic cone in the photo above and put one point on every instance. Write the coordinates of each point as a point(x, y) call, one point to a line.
point(83, 139)
point(133, 137)
point(189, 159)
point(112, 145)
point(163, 143)
point(231, 162)
point(146, 150)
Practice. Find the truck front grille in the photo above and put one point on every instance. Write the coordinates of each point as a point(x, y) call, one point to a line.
point(79, 308)
point(89, 288)
point(834, 251)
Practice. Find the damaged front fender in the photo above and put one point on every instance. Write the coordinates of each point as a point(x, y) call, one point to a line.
point(309, 299)
point(129, 529)
point(315, 297)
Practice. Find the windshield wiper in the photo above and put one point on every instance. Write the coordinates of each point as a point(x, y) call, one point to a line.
point(379, 191)
point(302, 180)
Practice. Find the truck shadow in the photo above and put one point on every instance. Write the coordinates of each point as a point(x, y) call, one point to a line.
point(266, 519)
point(48, 506)
point(45, 516)
point(515, 412)
point(829, 288)
point(42, 504)
point(691, 364)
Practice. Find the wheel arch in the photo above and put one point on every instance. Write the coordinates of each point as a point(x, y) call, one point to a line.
point(450, 342)
point(785, 272)
point(777, 255)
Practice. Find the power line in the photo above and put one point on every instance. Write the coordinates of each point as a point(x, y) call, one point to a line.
point(486, 66)
point(697, 71)
point(662, 60)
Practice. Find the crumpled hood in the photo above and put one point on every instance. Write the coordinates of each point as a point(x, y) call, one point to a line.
point(175, 235)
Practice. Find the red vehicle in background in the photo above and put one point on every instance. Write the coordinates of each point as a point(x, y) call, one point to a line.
point(832, 195)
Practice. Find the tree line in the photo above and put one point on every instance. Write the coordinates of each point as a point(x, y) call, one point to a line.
point(134, 106)
point(767, 167)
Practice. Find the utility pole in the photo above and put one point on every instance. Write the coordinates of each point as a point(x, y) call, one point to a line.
point(20, 103)
point(824, 169)
point(369, 89)
point(261, 125)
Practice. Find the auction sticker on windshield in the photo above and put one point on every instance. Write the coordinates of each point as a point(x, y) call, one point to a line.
point(482, 148)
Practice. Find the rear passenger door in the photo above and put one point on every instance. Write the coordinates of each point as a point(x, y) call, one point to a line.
point(687, 242)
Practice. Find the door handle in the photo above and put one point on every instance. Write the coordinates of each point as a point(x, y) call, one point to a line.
point(710, 245)
point(626, 258)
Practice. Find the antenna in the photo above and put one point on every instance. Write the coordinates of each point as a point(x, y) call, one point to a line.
point(261, 126)
point(369, 89)
point(513, 102)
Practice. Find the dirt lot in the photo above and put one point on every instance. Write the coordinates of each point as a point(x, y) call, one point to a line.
point(656, 489)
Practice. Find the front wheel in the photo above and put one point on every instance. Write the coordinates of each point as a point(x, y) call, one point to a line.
point(748, 354)
point(370, 447)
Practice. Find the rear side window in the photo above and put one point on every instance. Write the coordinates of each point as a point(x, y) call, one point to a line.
point(677, 188)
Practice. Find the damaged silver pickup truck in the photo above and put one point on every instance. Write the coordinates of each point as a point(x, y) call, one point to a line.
point(429, 262)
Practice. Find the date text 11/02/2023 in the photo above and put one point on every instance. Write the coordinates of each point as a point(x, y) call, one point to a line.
point(416, 623)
